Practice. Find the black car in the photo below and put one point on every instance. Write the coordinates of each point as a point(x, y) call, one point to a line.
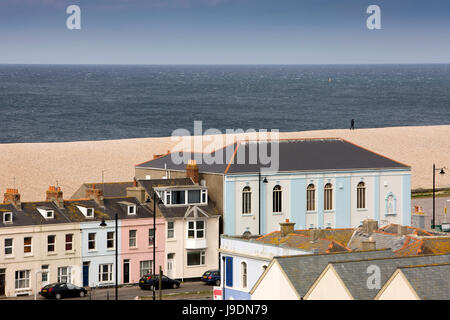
point(147, 281)
point(62, 290)
point(211, 277)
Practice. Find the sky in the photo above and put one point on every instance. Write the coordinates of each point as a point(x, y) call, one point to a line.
point(224, 32)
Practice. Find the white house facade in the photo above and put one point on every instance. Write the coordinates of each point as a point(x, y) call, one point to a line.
point(243, 261)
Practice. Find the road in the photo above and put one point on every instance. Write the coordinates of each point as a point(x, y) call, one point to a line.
point(187, 291)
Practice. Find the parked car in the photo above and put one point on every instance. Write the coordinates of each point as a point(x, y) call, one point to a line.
point(147, 281)
point(211, 277)
point(62, 290)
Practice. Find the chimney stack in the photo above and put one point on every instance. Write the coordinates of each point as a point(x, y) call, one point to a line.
point(192, 171)
point(136, 191)
point(96, 194)
point(370, 225)
point(12, 196)
point(402, 230)
point(286, 227)
point(369, 244)
point(56, 195)
point(315, 234)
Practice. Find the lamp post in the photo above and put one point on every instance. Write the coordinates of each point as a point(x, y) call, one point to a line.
point(116, 234)
point(441, 172)
point(259, 200)
point(154, 237)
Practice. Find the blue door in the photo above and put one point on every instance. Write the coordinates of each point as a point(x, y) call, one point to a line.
point(229, 271)
point(85, 274)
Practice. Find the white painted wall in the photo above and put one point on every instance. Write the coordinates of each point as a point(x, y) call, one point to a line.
point(274, 286)
point(397, 289)
point(328, 287)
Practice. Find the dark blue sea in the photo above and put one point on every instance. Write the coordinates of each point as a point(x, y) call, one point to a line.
point(46, 103)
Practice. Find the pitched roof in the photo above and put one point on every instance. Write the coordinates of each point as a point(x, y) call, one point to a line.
point(303, 270)
point(302, 241)
point(340, 235)
point(430, 282)
point(383, 240)
point(293, 155)
point(110, 189)
point(354, 274)
point(29, 214)
point(435, 245)
point(393, 229)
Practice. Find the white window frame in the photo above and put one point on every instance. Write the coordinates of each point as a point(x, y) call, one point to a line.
point(9, 247)
point(195, 229)
point(28, 246)
point(68, 242)
point(135, 238)
point(246, 201)
point(202, 254)
point(108, 239)
point(26, 279)
point(171, 229)
point(277, 199)
point(88, 214)
point(49, 214)
point(53, 243)
point(92, 241)
point(244, 275)
point(8, 221)
point(361, 195)
point(311, 198)
point(142, 267)
point(65, 272)
point(131, 208)
point(101, 272)
point(328, 197)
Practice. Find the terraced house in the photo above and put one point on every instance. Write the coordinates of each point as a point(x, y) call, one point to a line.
point(39, 244)
point(316, 183)
point(71, 241)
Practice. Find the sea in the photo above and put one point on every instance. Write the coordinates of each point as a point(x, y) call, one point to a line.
point(55, 103)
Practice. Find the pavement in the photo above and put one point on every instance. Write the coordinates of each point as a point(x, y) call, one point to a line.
point(427, 208)
point(186, 291)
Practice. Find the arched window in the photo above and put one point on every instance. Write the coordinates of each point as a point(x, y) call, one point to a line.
point(328, 197)
point(311, 198)
point(246, 200)
point(244, 274)
point(361, 196)
point(277, 198)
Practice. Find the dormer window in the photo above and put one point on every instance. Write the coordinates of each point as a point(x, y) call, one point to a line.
point(86, 211)
point(184, 197)
point(7, 218)
point(47, 213)
point(131, 209)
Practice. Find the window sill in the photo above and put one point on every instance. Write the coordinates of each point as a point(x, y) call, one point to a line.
point(328, 211)
point(92, 251)
point(28, 255)
point(311, 212)
point(247, 215)
point(390, 214)
point(277, 213)
point(9, 257)
point(132, 248)
point(197, 266)
point(51, 253)
point(171, 240)
point(362, 209)
point(70, 251)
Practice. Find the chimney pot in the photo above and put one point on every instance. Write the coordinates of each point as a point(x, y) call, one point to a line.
point(55, 194)
point(12, 196)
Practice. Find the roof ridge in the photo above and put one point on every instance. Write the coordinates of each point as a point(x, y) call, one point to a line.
point(390, 258)
point(425, 265)
point(322, 254)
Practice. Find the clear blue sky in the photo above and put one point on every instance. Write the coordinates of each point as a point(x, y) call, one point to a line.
point(224, 32)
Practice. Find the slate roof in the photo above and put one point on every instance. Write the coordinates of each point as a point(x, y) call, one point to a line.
point(28, 215)
point(302, 241)
point(393, 229)
point(303, 270)
point(435, 245)
point(340, 235)
point(430, 282)
point(110, 189)
point(383, 240)
point(294, 155)
point(354, 274)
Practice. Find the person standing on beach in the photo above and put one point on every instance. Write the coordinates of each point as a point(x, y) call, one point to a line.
point(352, 124)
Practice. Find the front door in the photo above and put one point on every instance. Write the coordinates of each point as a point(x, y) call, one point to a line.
point(2, 282)
point(171, 265)
point(126, 271)
point(85, 274)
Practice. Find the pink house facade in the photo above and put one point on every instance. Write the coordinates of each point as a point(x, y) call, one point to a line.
point(136, 254)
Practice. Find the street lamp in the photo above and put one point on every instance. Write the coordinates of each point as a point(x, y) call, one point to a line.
point(116, 234)
point(154, 235)
point(259, 199)
point(441, 172)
